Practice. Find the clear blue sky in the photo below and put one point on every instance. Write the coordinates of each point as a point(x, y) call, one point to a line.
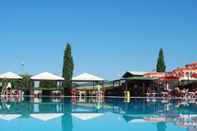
point(108, 36)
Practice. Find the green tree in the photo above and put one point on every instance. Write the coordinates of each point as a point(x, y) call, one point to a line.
point(23, 83)
point(26, 81)
point(48, 84)
point(68, 67)
point(161, 67)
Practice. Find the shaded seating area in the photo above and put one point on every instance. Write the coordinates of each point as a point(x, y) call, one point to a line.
point(133, 84)
point(87, 85)
point(9, 83)
point(139, 86)
point(47, 84)
point(175, 84)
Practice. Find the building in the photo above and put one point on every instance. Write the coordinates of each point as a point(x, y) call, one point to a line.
point(132, 83)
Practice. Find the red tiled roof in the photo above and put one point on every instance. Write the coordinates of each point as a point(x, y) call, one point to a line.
point(192, 64)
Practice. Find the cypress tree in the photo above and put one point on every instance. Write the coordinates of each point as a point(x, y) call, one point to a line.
point(161, 67)
point(68, 67)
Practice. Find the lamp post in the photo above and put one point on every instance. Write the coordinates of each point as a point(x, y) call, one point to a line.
point(188, 77)
point(23, 67)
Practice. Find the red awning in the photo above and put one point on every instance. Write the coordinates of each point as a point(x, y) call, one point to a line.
point(170, 78)
point(194, 75)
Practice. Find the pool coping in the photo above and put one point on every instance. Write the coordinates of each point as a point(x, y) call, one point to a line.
point(118, 97)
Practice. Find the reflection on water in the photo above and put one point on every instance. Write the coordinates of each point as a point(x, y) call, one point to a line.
point(87, 114)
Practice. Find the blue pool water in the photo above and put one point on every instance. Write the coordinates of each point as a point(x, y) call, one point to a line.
point(92, 114)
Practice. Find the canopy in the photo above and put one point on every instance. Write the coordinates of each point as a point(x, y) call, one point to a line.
point(85, 77)
point(194, 76)
point(87, 116)
point(47, 116)
point(47, 76)
point(170, 78)
point(10, 75)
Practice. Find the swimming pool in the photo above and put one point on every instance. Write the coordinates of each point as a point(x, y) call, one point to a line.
point(92, 114)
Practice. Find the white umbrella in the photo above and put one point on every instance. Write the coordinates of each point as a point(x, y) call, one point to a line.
point(47, 76)
point(87, 77)
point(10, 75)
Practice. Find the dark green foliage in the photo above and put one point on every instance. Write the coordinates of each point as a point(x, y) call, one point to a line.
point(26, 81)
point(16, 84)
point(161, 67)
point(68, 67)
point(48, 84)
